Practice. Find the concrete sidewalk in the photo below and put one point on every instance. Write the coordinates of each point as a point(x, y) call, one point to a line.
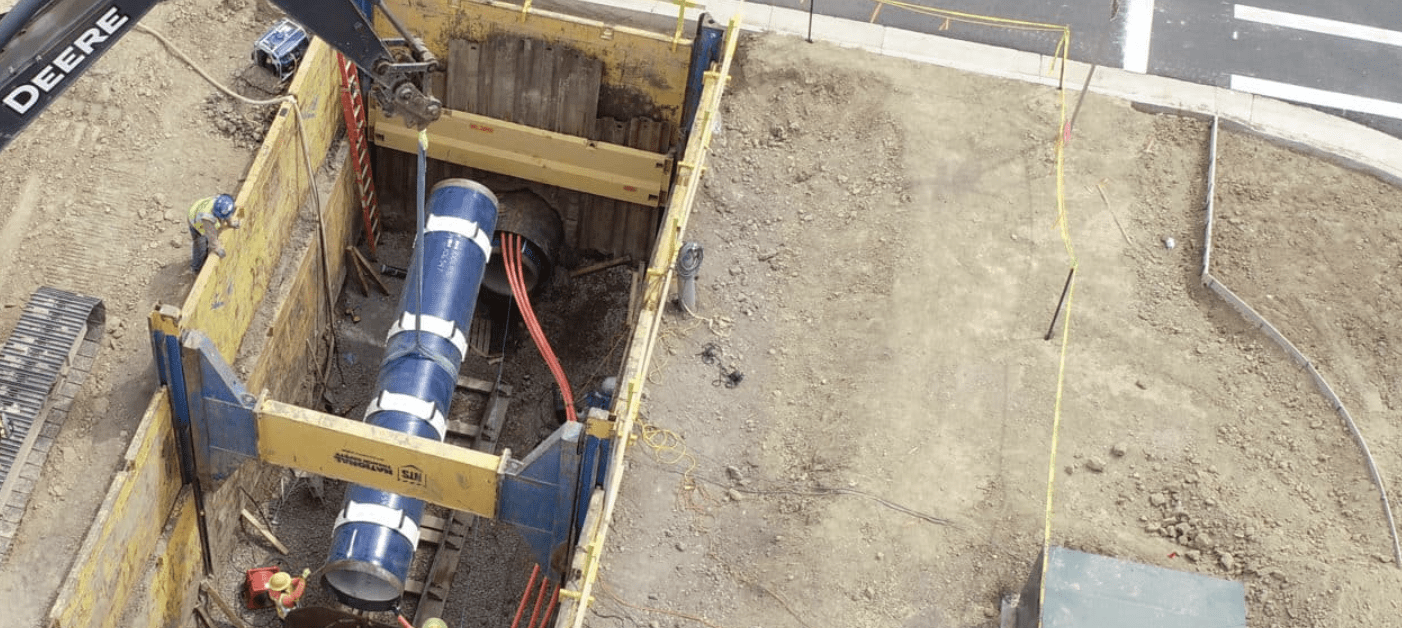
point(1346, 142)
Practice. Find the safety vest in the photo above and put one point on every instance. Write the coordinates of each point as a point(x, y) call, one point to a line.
point(201, 211)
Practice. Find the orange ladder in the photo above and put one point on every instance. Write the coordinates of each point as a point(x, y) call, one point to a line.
point(353, 103)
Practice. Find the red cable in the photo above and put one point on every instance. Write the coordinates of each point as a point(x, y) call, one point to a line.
point(404, 622)
point(525, 596)
point(549, 608)
point(511, 258)
point(533, 324)
point(540, 597)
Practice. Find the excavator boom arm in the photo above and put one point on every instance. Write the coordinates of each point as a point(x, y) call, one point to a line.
point(46, 44)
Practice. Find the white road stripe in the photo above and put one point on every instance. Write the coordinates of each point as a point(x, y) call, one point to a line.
point(1318, 97)
point(1317, 25)
point(1139, 26)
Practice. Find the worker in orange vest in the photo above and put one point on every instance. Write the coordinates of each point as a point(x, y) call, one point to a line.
point(285, 591)
point(206, 217)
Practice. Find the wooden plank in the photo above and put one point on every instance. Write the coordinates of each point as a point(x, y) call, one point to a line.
point(590, 83)
point(502, 76)
point(370, 269)
point(460, 75)
point(462, 428)
point(454, 528)
point(439, 581)
point(604, 265)
point(615, 215)
point(543, 77)
point(494, 418)
point(359, 272)
point(564, 60)
point(205, 618)
point(603, 169)
point(263, 530)
point(431, 522)
point(528, 99)
point(473, 77)
point(476, 385)
point(430, 536)
point(571, 203)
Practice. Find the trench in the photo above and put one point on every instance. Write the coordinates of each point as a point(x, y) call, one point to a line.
point(585, 318)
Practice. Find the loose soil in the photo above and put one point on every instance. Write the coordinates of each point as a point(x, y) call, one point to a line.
point(882, 262)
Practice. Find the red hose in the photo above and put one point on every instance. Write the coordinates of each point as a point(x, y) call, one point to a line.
point(539, 598)
point(518, 288)
point(404, 623)
point(534, 572)
point(549, 608)
point(511, 259)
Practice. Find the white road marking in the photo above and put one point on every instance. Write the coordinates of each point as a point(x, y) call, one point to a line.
point(1317, 97)
point(1317, 25)
point(1139, 25)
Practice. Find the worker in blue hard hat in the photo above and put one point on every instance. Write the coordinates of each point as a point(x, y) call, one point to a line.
point(206, 217)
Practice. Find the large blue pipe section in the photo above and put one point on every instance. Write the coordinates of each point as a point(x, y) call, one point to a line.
point(376, 531)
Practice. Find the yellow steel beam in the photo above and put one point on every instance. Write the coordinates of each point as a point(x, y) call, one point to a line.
point(330, 446)
point(599, 168)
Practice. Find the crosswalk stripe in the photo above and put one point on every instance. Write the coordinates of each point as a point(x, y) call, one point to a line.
point(1317, 97)
point(1317, 25)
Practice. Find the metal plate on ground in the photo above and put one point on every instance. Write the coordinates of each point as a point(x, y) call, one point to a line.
point(43, 364)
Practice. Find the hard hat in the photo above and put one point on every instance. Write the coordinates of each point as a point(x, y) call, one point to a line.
point(223, 206)
point(280, 581)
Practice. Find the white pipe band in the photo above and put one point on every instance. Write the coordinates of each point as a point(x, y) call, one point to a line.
point(463, 227)
point(392, 518)
point(441, 327)
point(426, 411)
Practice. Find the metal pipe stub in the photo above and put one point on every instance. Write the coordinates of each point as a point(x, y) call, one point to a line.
point(525, 214)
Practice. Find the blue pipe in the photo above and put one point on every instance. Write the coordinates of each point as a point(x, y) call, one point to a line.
point(376, 532)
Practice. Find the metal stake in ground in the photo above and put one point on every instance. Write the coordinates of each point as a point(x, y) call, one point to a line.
point(810, 19)
point(1060, 303)
point(1066, 132)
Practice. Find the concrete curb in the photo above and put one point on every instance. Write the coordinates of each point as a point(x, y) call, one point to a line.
point(1342, 141)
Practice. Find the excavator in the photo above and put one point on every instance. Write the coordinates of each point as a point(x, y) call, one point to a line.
point(46, 44)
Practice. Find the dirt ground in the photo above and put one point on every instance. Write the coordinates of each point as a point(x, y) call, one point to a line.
point(95, 194)
point(881, 265)
point(882, 262)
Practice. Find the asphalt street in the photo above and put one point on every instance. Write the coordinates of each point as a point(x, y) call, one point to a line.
point(1343, 58)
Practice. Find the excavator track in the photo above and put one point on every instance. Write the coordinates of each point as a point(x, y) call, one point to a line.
point(43, 364)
